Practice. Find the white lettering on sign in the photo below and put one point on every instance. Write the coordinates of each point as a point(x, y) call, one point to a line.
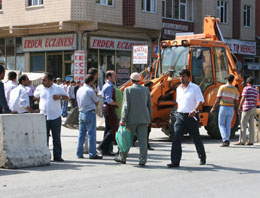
point(140, 54)
point(175, 26)
point(242, 47)
point(50, 43)
point(79, 65)
point(114, 44)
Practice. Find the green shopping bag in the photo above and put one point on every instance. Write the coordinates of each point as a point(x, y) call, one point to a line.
point(123, 138)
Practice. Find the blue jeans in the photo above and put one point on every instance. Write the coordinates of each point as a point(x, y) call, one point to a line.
point(225, 117)
point(87, 123)
point(64, 108)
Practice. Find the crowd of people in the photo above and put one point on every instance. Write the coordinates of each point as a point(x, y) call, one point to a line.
point(131, 108)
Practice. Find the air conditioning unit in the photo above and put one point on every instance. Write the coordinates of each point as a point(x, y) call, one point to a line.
point(257, 59)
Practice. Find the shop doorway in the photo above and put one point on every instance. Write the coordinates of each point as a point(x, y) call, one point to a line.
point(54, 64)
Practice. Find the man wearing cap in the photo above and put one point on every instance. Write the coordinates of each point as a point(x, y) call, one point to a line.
point(227, 98)
point(136, 115)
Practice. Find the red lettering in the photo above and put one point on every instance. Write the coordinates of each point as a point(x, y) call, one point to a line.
point(94, 43)
point(81, 64)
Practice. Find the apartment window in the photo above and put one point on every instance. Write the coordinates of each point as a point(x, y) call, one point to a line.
point(149, 5)
point(178, 9)
point(0, 4)
point(35, 2)
point(105, 2)
point(247, 15)
point(223, 11)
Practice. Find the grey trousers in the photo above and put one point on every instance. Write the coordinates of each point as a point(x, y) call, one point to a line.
point(247, 117)
point(141, 132)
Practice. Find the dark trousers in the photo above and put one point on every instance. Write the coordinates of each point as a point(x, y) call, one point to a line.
point(105, 145)
point(55, 127)
point(185, 123)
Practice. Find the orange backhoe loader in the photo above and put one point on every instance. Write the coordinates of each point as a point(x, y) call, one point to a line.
point(209, 60)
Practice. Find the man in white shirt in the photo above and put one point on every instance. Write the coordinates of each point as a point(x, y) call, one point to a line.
point(19, 100)
point(189, 99)
point(50, 96)
point(71, 94)
point(87, 100)
point(10, 84)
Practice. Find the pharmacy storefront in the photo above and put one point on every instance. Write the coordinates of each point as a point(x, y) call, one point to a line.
point(51, 53)
point(112, 54)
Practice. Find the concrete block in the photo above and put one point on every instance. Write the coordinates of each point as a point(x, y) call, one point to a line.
point(23, 141)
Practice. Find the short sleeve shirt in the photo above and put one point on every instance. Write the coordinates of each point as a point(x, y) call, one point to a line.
point(250, 93)
point(227, 94)
point(188, 98)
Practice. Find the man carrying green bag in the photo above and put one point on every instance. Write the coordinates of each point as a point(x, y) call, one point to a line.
point(136, 115)
point(123, 138)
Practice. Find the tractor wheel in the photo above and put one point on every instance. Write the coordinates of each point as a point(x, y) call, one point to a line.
point(213, 129)
point(169, 130)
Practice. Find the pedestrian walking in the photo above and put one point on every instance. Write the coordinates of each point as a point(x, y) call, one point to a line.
point(87, 100)
point(3, 103)
point(189, 99)
point(50, 96)
point(71, 94)
point(227, 99)
point(19, 99)
point(248, 108)
point(10, 84)
point(111, 120)
point(136, 115)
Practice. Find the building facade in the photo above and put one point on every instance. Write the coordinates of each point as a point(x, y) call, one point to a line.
point(38, 36)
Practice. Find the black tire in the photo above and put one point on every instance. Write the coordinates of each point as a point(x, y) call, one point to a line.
point(213, 129)
point(169, 130)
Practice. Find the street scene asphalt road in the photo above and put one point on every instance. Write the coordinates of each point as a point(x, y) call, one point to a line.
point(229, 172)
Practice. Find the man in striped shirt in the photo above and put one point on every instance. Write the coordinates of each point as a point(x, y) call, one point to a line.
point(227, 98)
point(248, 107)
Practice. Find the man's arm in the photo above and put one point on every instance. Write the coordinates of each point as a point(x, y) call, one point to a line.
point(217, 101)
point(3, 101)
point(108, 95)
point(125, 108)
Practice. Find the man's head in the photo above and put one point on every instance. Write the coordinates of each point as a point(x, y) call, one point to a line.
point(64, 82)
point(111, 76)
point(24, 80)
point(89, 80)
point(185, 76)
point(78, 83)
point(72, 83)
point(93, 71)
point(149, 84)
point(12, 76)
point(230, 79)
point(2, 72)
point(250, 80)
point(58, 80)
point(135, 77)
point(67, 82)
point(47, 79)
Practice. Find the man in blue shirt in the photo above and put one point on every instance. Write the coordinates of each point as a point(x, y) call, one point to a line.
point(108, 102)
point(87, 101)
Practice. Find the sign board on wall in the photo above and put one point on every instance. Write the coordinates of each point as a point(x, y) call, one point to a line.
point(242, 47)
point(50, 43)
point(140, 54)
point(113, 44)
point(79, 65)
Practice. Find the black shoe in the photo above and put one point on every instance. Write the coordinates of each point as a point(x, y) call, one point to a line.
point(202, 161)
point(172, 165)
point(141, 164)
point(150, 148)
point(80, 157)
point(100, 150)
point(58, 160)
point(225, 144)
point(119, 160)
point(96, 157)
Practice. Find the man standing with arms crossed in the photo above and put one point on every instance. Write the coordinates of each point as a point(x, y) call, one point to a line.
point(50, 96)
point(189, 99)
point(136, 115)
